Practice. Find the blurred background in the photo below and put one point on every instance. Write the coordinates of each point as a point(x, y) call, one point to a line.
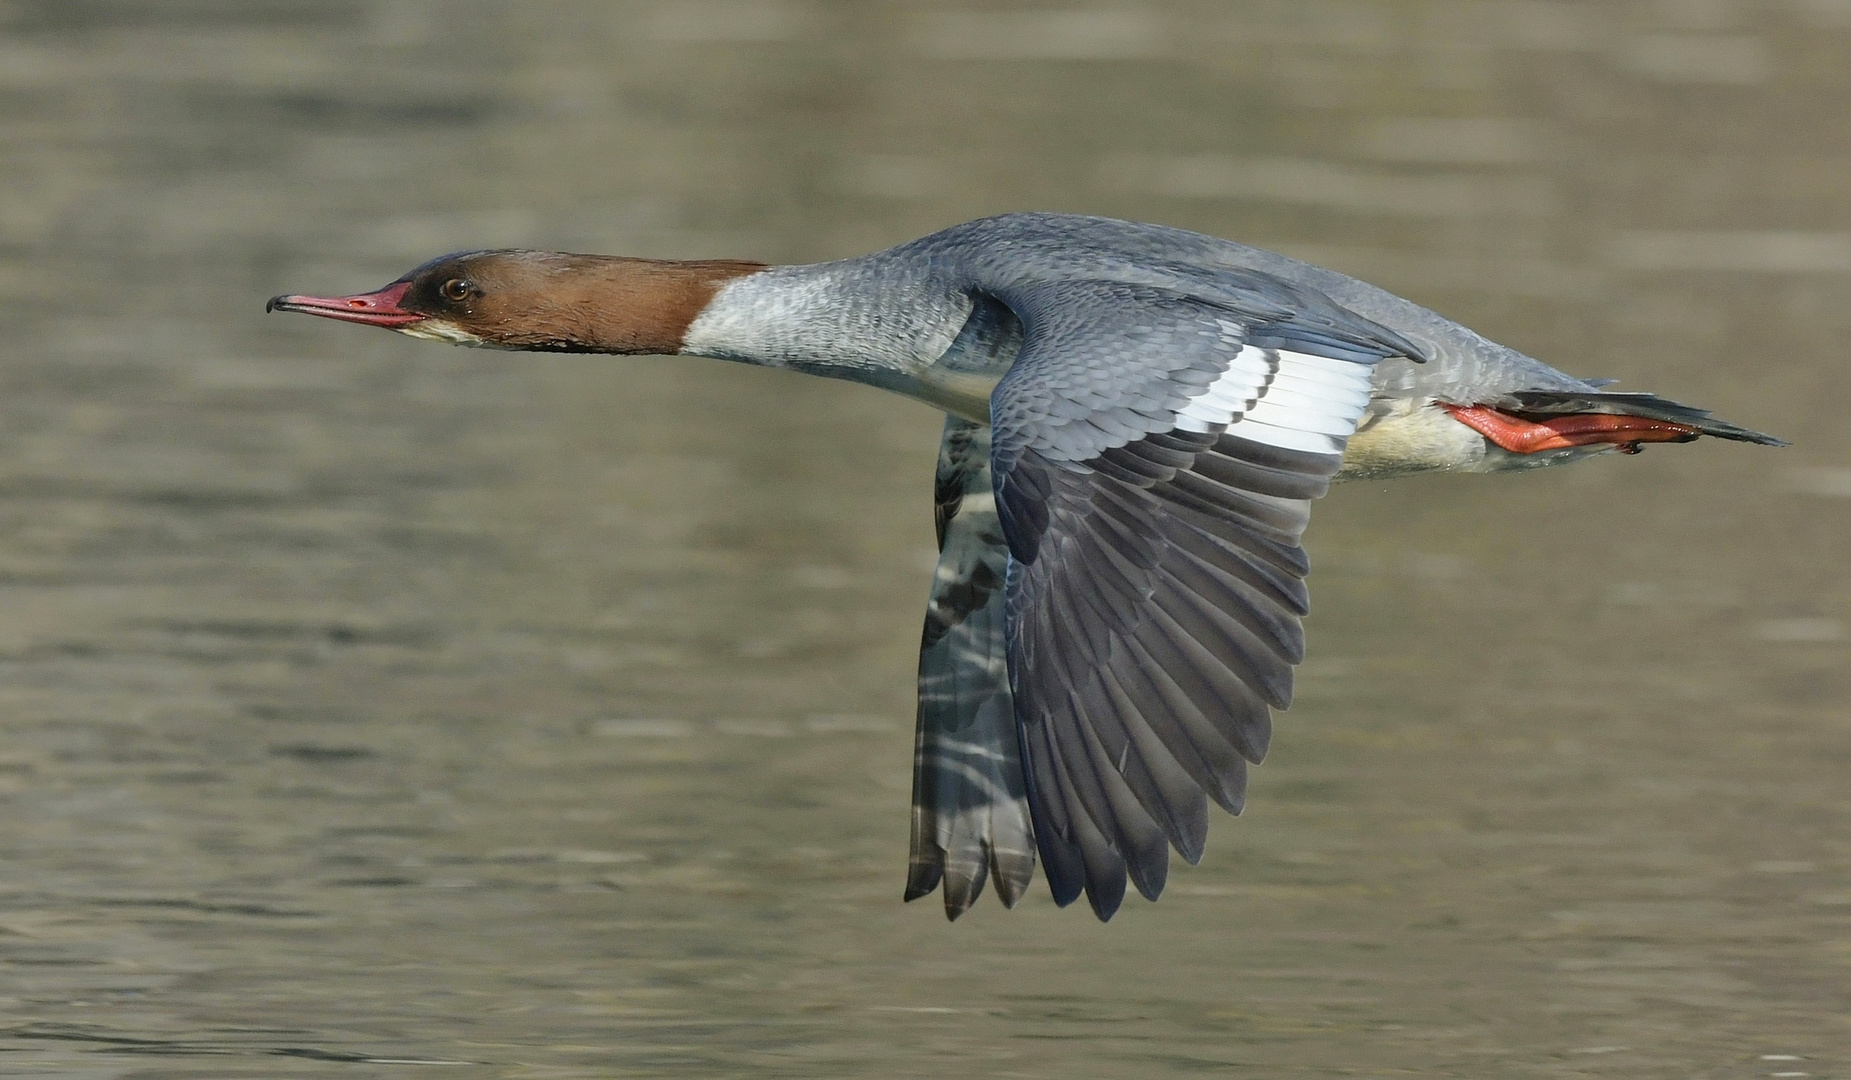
point(372, 708)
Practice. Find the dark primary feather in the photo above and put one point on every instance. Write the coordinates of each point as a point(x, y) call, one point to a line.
point(1157, 580)
point(1148, 640)
point(970, 812)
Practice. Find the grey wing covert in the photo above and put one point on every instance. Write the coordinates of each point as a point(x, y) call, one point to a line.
point(1155, 457)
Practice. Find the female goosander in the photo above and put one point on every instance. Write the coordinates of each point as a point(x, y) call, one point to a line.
point(1137, 421)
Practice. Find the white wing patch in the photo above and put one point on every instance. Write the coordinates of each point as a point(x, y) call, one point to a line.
point(1233, 393)
point(1290, 400)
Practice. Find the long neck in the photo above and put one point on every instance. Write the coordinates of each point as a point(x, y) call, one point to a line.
point(602, 303)
point(866, 320)
point(840, 319)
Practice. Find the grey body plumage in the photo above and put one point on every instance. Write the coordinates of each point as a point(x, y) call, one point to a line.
point(1140, 418)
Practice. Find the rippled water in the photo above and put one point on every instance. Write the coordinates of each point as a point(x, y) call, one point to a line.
point(371, 708)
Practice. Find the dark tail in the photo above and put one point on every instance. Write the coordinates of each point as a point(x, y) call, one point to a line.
point(1536, 404)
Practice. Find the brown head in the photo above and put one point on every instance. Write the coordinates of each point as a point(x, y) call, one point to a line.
point(546, 301)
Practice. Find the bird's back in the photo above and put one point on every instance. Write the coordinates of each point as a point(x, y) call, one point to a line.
point(1461, 365)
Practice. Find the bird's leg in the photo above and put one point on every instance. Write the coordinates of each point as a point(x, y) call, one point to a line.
point(1521, 436)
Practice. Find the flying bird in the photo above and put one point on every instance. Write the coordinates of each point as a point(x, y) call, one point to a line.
point(1137, 421)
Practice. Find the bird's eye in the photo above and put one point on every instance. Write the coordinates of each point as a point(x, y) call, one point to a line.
point(455, 289)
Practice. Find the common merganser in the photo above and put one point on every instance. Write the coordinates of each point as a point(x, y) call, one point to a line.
point(1138, 418)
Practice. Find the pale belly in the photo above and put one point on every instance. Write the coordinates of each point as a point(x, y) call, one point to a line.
point(1398, 437)
point(1407, 436)
point(1404, 436)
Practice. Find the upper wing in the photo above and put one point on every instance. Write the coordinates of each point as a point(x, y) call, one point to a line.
point(1155, 456)
point(970, 811)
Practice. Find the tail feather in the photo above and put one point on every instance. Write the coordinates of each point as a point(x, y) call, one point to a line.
point(1535, 404)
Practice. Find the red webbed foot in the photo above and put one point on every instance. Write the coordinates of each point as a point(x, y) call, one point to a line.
point(1520, 436)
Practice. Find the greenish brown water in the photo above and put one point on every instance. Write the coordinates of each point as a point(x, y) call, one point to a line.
point(371, 708)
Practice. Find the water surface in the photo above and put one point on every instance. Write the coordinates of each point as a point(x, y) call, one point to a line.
point(370, 708)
